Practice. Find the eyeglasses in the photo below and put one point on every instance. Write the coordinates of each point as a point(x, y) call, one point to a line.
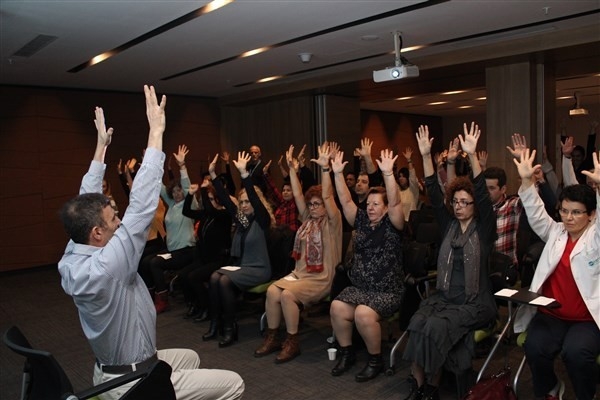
point(576, 213)
point(461, 203)
point(315, 204)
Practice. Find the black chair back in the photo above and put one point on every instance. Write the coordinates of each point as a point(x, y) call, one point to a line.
point(46, 378)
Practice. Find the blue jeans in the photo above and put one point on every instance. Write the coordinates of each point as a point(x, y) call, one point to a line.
point(578, 343)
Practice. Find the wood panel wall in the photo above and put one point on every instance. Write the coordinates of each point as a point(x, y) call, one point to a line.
point(47, 140)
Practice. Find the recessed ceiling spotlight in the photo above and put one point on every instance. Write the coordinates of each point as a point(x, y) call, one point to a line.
point(369, 38)
point(564, 97)
point(268, 79)
point(465, 107)
point(455, 92)
point(481, 98)
point(405, 98)
point(437, 103)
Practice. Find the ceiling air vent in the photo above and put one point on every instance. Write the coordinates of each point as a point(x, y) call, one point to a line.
point(35, 45)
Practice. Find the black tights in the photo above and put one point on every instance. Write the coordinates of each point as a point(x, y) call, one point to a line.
point(223, 295)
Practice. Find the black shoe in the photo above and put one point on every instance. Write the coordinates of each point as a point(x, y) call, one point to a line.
point(213, 331)
point(230, 335)
point(416, 393)
point(192, 312)
point(431, 393)
point(201, 316)
point(371, 370)
point(347, 360)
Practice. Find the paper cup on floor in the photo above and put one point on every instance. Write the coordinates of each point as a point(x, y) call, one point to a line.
point(332, 353)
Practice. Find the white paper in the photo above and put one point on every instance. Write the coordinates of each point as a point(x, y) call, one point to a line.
point(506, 292)
point(290, 278)
point(231, 268)
point(541, 301)
point(166, 256)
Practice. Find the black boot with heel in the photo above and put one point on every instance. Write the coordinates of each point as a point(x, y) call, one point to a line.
point(373, 368)
point(213, 330)
point(347, 360)
point(230, 334)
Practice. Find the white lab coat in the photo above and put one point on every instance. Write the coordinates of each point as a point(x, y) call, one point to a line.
point(585, 257)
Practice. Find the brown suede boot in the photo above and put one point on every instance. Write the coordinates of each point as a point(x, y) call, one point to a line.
point(290, 350)
point(161, 301)
point(270, 344)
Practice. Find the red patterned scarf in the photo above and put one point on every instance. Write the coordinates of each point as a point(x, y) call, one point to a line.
point(311, 232)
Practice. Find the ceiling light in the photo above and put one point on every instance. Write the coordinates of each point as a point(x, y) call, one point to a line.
point(405, 98)
point(254, 52)
point(465, 107)
point(563, 97)
point(268, 79)
point(481, 98)
point(455, 92)
point(437, 103)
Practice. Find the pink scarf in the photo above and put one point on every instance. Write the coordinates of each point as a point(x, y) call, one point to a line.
point(311, 231)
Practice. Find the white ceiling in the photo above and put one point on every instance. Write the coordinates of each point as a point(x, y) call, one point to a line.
point(454, 32)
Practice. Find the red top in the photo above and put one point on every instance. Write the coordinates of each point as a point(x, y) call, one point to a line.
point(561, 286)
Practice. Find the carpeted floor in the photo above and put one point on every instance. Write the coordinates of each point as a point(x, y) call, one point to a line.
point(35, 302)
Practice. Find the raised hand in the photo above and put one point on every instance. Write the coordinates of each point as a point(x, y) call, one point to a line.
point(225, 157)
point(193, 188)
point(386, 165)
point(334, 148)
point(483, 157)
point(338, 163)
point(212, 167)
point(452, 152)
point(423, 140)
point(180, 155)
point(280, 161)
point(567, 146)
point(130, 166)
point(242, 161)
point(267, 167)
point(525, 165)
point(291, 161)
point(365, 147)
point(155, 111)
point(408, 153)
point(104, 135)
point(468, 141)
point(519, 144)
point(323, 160)
point(595, 175)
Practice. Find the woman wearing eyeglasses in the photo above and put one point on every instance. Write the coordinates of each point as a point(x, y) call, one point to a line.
point(441, 331)
point(376, 272)
point(250, 264)
point(568, 271)
point(317, 250)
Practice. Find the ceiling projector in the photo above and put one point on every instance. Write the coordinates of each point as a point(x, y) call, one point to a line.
point(402, 67)
point(393, 73)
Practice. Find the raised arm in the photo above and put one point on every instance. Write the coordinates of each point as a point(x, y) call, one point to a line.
point(386, 165)
point(526, 168)
point(595, 175)
point(425, 149)
point(326, 187)
point(293, 166)
point(348, 206)
point(451, 156)
point(569, 177)
point(92, 180)
point(468, 142)
point(365, 154)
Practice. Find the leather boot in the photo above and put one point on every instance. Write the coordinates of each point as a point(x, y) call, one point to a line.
point(347, 360)
point(230, 334)
point(270, 344)
point(372, 369)
point(290, 349)
point(213, 330)
point(161, 301)
point(416, 393)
